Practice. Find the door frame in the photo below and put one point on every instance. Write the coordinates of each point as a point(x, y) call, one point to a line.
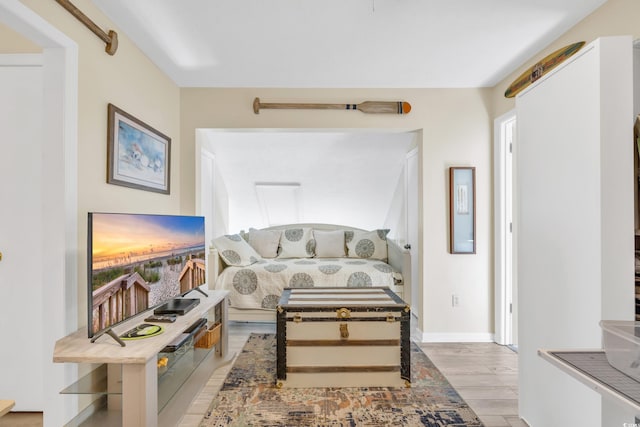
point(60, 236)
point(415, 281)
point(504, 325)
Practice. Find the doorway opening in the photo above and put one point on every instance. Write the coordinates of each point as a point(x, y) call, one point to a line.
point(367, 178)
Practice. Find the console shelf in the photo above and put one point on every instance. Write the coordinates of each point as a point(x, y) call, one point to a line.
point(95, 382)
point(170, 381)
point(135, 389)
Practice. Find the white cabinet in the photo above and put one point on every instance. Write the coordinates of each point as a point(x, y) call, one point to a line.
point(574, 222)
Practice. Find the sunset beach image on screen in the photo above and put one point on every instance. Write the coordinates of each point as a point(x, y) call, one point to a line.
point(139, 261)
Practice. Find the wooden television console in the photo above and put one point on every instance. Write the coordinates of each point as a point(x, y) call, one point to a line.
point(130, 378)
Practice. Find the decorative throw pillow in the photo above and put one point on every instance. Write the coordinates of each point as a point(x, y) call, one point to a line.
point(265, 242)
point(234, 250)
point(329, 244)
point(370, 244)
point(297, 243)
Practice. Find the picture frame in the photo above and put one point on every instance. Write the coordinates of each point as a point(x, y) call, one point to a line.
point(138, 156)
point(636, 168)
point(462, 210)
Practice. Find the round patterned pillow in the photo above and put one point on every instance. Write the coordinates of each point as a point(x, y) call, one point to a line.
point(231, 256)
point(365, 248)
point(293, 234)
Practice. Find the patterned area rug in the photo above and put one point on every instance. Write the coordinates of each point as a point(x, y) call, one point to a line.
point(249, 397)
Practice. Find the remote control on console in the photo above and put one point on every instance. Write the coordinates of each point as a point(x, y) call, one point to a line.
point(168, 318)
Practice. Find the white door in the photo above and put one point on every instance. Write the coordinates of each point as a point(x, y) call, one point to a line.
point(413, 198)
point(21, 217)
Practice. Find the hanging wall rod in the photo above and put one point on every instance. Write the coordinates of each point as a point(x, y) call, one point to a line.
point(110, 39)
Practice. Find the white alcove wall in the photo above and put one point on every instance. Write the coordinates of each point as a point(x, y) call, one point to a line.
point(574, 224)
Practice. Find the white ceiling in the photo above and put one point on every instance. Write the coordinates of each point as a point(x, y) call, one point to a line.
point(344, 177)
point(347, 178)
point(343, 43)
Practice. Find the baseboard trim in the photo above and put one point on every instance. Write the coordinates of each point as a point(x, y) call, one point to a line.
point(453, 337)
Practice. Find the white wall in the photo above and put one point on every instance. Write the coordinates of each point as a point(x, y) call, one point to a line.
point(221, 203)
point(396, 217)
point(84, 79)
point(342, 177)
point(213, 197)
point(613, 18)
point(574, 223)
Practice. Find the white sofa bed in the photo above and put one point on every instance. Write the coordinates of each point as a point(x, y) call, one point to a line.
point(255, 266)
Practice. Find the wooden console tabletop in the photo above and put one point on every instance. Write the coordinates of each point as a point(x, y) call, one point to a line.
point(5, 406)
point(77, 348)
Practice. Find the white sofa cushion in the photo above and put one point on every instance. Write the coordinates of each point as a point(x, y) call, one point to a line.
point(329, 244)
point(265, 242)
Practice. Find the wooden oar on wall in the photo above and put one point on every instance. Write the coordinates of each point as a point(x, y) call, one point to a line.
point(110, 39)
point(370, 107)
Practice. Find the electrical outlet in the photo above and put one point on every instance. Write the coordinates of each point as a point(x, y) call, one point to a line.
point(455, 300)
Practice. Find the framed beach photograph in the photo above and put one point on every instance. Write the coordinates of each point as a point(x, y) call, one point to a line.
point(462, 210)
point(138, 156)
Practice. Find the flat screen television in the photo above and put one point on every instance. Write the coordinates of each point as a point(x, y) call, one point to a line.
point(137, 262)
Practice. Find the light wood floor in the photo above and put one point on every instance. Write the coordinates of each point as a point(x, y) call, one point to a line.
point(485, 375)
point(22, 419)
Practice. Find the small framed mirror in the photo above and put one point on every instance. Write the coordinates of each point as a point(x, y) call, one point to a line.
point(462, 210)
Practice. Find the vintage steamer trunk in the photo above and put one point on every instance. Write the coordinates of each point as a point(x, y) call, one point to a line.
point(342, 337)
